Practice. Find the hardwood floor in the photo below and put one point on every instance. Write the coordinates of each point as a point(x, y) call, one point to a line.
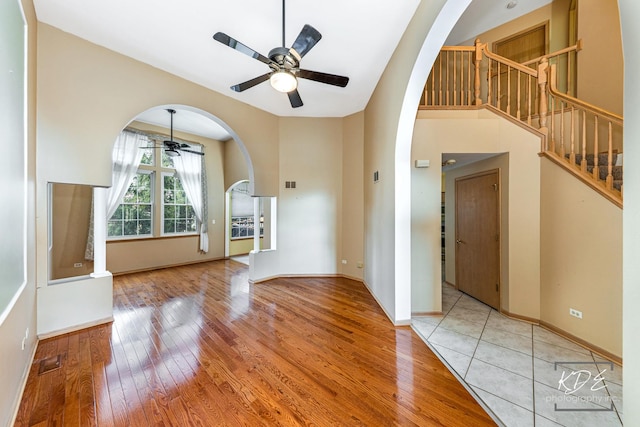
point(198, 345)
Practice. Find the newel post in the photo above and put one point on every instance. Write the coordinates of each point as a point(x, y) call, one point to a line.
point(544, 103)
point(476, 83)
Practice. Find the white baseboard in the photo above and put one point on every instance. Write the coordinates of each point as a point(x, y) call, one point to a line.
point(75, 328)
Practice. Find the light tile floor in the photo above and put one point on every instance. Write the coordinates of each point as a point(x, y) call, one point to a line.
point(525, 374)
point(241, 258)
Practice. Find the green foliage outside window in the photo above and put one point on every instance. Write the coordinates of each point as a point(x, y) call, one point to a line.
point(133, 216)
point(178, 214)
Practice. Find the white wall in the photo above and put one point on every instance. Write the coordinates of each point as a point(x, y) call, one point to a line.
point(20, 316)
point(629, 13)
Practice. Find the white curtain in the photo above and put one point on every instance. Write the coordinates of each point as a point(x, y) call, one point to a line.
point(191, 171)
point(126, 156)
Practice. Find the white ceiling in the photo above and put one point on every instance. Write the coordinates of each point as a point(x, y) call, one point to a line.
point(358, 38)
point(185, 121)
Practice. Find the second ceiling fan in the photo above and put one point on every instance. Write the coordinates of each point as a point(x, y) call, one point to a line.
point(284, 63)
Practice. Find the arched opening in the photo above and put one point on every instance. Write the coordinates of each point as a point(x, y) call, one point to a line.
point(158, 221)
point(446, 19)
point(240, 225)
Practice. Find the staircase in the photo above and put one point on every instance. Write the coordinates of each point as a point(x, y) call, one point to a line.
point(583, 139)
point(601, 173)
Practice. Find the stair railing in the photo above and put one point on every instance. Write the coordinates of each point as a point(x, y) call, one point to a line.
point(528, 93)
point(578, 129)
point(564, 59)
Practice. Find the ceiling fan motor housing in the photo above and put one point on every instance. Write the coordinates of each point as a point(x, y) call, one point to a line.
point(285, 58)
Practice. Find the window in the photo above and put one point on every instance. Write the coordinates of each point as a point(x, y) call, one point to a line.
point(178, 215)
point(242, 219)
point(133, 218)
point(155, 192)
point(243, 227)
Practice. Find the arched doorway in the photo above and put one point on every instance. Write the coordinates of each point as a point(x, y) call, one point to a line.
point(156, 224)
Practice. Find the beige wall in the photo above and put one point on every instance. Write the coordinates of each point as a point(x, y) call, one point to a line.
point(235, 165)
point(352, 232)
point(15, 361)
point(581, 260)
point(438, 132)
point(600, 63)
point(309, 216)
point(140, 254)
point(78, 73)
point(556, 14)
point(387, 146)
point(87, 94)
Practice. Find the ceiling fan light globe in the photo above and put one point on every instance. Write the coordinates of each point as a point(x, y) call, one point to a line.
point(171, 153)
point(283, 81)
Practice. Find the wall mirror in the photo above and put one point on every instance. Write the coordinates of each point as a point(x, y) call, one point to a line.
point(69, 219)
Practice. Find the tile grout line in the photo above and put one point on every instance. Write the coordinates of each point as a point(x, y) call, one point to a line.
point(473, 356)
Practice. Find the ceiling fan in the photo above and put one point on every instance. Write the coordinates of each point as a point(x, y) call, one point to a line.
point(173, 148)
point(284, 63)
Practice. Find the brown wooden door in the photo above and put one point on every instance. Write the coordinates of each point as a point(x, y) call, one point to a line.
point(478, 236)
point(521, 47)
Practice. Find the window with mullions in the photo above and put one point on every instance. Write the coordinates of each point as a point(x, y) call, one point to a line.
point(178, 215)
point(243, 227)
point(156, 192)
point(133, 218)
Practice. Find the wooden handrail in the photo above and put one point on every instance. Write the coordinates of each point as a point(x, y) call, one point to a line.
point(509, 62)
point(459, 48)
point(579, 103)
point(573, 129)
point(575, 48)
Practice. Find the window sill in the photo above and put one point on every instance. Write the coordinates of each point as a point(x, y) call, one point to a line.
point(144, 239)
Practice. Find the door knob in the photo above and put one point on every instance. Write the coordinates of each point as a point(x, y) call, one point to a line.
point(459, 241)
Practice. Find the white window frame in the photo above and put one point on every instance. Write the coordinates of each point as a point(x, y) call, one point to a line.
point(152, 191)
point(162, 205)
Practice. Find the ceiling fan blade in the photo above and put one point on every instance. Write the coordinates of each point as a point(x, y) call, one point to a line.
point(306, 40)
point(235, 44)
point(191, 151)
point(250, 83)
point(294, 98)
point(330, 79)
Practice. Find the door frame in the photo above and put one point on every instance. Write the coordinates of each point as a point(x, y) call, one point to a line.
point(499, 224)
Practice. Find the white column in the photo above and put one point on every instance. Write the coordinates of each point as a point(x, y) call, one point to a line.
point(100, 232)
point(256, 224)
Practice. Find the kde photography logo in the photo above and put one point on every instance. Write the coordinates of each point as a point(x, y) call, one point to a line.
point(582, 389)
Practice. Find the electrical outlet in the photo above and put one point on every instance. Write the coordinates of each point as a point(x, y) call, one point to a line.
point(344, 261)
point(360, 265)
point(575, 313)
point(77, 265)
